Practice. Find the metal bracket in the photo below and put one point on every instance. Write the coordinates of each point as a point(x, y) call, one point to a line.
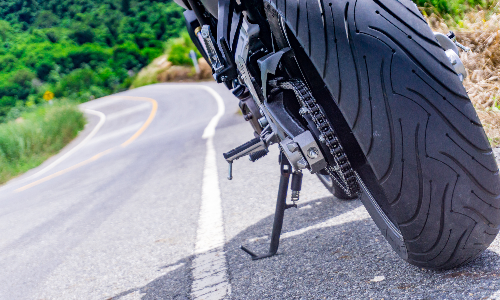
point(311, 151)
point(223, 64)
point(268, 65)
point(292, 151)
point(450, 45)
point(303, 152)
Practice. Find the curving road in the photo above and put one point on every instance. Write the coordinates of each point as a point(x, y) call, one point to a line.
point(138, 207)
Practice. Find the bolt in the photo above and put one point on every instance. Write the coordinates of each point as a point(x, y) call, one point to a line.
point(303, 111)
point(312, 153)
point(263, 122)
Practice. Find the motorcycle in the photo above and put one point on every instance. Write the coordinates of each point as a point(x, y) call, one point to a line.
point(365, 95)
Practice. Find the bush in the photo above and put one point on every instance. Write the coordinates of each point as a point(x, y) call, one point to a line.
point(89, 54)
point(43, 69)
point(82, 34)
point(5, 30)
point(41, 133)
point(129, 57)
point(76, 82)
point(151, 53)
point(17, 84)
point(7, 62)
point(46, 19)
point(178, 50)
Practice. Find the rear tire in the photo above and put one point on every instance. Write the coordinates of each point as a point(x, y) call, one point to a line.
point(433, 171)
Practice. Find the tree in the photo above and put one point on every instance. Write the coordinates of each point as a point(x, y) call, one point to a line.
point(46, 19)
point(125, 6)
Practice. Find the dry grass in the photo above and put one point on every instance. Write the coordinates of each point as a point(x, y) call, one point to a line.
point(149, 74)
point(161, 70)
point(183, 73)
point(480, 31)
point(491, 124)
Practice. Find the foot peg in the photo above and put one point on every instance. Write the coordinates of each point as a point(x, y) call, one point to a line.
point(258, 155)
point(256, 148)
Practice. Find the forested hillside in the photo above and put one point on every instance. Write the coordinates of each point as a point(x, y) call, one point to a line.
point(77, 48)
point(80, 49)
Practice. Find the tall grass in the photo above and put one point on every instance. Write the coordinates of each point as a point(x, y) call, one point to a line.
point(26, 142)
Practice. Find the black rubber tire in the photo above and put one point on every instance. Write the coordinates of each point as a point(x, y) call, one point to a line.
point(333, 187)
point(413, 121)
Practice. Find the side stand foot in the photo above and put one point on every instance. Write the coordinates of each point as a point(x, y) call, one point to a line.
point(281, 206)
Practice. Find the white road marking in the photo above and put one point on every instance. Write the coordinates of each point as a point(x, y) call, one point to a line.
point(102, 102)
point(82, 143)
point(210, 278)
point(116, 133)
point(356, 214)
point(128, 111)
point(173, 268)
point(140, 293)
point(265, 237)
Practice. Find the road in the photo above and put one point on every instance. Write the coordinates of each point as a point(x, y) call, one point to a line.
point(138, 207)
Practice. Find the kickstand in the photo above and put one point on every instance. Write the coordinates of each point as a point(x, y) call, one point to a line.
point(281, 206)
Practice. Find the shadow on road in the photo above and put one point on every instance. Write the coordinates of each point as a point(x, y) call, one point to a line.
point(349, 260)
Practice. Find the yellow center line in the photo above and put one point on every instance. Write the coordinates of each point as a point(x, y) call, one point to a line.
point(99, 155)
point(148, 121)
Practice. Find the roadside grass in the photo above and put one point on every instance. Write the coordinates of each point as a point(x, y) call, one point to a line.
point(28, 141)
point(454, 10)
point(479, 30)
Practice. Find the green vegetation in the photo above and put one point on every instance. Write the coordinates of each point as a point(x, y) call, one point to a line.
point(176, 53)
point(178, 50)
point(38, 134)
point(454, 9)
point(78, 49)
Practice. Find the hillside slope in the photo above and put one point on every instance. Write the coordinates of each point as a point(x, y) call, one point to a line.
point(78, 49)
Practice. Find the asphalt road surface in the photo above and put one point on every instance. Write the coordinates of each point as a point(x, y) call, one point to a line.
point(138, 207)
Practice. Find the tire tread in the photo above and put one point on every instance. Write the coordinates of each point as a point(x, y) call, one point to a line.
point(383, 66)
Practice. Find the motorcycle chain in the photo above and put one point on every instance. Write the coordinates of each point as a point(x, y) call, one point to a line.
point(342, 172)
